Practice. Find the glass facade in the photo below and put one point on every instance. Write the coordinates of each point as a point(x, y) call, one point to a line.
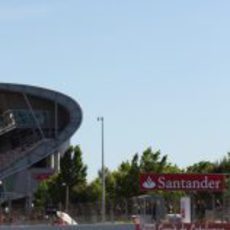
point(24, 118)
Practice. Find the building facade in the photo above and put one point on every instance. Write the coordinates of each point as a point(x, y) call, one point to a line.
point(36, 125)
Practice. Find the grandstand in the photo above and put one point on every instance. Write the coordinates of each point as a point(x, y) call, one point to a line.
point(36, 125)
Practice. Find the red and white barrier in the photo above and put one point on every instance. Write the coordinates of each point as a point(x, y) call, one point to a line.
point(207, 226)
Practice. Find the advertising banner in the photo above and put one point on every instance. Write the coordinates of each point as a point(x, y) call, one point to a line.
point(210, 226)
point(182, 182)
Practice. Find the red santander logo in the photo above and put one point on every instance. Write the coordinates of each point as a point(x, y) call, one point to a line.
point(184, 182)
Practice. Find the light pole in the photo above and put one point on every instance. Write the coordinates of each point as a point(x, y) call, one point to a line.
point(101, 119)
point(64, 184)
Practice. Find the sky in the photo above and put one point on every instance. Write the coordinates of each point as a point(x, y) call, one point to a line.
point(157, 71)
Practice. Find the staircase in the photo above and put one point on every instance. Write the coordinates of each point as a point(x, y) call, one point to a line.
point(16, 160)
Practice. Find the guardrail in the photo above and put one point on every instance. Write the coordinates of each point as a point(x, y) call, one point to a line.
point(78, 227)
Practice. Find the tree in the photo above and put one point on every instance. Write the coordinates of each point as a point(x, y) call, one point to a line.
point(73, 171)
point(127, 175)
point(127, 178)
point(223, 166)
point(42, 194)
point(152, 161)
point(94, 189)
point(49, 192)
point(70, 180)
point(201, 167)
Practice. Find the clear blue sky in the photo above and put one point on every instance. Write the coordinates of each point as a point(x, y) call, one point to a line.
point(158, 71)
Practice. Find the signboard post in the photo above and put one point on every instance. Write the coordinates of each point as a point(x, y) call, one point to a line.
point(185, 208)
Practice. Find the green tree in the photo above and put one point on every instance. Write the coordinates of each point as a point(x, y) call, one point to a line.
point(201, 167)
point(127, 178)
point(73, 172)
point(127, 174)
point(152, 161)
point(42, 194)
point(223, 166)
point(110, 182)
point(71, 179)
point(94, 191)
point(72, 169)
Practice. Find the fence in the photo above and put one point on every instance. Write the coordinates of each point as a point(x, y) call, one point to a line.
point(152, 209)
point(83, 213)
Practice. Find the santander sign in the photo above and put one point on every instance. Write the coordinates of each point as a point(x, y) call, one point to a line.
point(183, 182)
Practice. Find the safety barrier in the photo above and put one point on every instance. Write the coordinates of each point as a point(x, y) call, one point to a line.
point(205, 226)
point(78, 227)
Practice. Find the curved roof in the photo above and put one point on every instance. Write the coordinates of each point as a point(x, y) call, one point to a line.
point(67, 102)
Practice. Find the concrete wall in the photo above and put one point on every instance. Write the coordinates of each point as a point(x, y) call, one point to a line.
point(79, 227)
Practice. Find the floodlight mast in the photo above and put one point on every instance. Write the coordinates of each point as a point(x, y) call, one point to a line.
point(103, 214)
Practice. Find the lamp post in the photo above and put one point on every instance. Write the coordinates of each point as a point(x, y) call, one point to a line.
point(64, 184)
point(101, 119)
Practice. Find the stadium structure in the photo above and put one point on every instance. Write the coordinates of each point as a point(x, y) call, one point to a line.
point(36, 125)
